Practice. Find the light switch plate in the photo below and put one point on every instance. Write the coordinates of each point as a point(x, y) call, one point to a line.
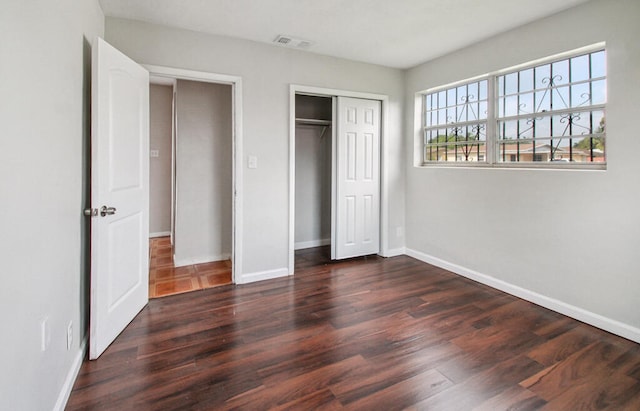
point(45, 334)
point(154, 153)
point(253, 162)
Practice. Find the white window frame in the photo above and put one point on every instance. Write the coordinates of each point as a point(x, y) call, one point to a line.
point(469, 104)
point(492, 152)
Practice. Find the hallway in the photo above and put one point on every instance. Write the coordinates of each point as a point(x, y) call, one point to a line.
point(166, 279)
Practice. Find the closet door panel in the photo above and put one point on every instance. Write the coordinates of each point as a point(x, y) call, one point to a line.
point(357, 178)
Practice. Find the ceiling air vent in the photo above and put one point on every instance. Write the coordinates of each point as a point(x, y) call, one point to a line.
point(289, 41)
point(282, 40)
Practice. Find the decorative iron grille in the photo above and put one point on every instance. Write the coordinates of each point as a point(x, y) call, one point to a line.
point(548, 112)
point(553, 111)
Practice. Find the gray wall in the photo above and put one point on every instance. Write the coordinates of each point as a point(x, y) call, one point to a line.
point(313, 187)
point(160, 124)
point(45, 60)
point(267, 71)
point(203, 172)
point(572, 237)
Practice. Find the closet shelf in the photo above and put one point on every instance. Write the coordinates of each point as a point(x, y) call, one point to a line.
point(313, 122)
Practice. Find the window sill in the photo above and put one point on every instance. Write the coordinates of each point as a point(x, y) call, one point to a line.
point(519, 166)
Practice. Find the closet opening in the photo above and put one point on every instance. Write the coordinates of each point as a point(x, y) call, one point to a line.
point(337, 202)
point(191, 185)
point(313, 173)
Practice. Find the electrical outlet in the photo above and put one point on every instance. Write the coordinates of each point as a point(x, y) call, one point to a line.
point(399, 231)
point(45, 334)
point(69, 335)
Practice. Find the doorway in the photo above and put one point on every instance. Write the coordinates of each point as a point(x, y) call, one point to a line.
point(119, 208)
point(337, 186)
point(190, 186)
point(197, 250)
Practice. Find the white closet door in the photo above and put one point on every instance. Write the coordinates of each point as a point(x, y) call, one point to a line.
point(357, 179)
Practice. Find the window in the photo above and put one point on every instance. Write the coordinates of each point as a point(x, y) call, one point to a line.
point(456, 123)
point(550, 113)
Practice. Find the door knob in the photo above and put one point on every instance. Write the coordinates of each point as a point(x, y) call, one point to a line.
point(105, 211)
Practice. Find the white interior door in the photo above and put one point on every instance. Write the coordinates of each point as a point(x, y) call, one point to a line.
point(119, 194)
point(357, 179)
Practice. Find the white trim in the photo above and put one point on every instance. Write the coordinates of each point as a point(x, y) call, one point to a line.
point(183, 74)
point(517, 67)
point(67, 387)
point(553, 58)
point(200, 260)
point(292, 179)
point(394, 252)
point(301, 245)
point(384, 133)
point(236, 264)
point(329, 92)
point(236, 96)
point(597, 320)
point(334, 177)
point(384, 181)
point(264, 275)
point(160, 234)
point(174, 135)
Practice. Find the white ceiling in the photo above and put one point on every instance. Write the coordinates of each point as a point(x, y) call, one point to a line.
point(401, 33)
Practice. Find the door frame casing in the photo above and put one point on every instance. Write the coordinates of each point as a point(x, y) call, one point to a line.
point(236, 105)
point(384, 125)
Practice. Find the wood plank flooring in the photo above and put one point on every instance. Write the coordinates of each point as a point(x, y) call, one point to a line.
point(362, 334)
point(167, 279)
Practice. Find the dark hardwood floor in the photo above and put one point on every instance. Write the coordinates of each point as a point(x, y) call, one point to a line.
point(362, 334)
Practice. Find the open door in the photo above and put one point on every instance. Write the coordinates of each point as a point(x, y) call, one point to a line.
point(119, 194)
point(357, 179)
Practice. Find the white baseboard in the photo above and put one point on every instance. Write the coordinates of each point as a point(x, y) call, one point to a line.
point(597, 320)
point(65, 392)
point(394, 252)
point(160, 234)
point(262, 275)
point(313, 243)
point(199, 260)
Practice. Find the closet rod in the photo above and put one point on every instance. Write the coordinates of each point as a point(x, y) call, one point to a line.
point(313, 122)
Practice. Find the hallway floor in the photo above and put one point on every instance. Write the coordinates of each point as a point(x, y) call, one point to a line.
point(166, 279)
